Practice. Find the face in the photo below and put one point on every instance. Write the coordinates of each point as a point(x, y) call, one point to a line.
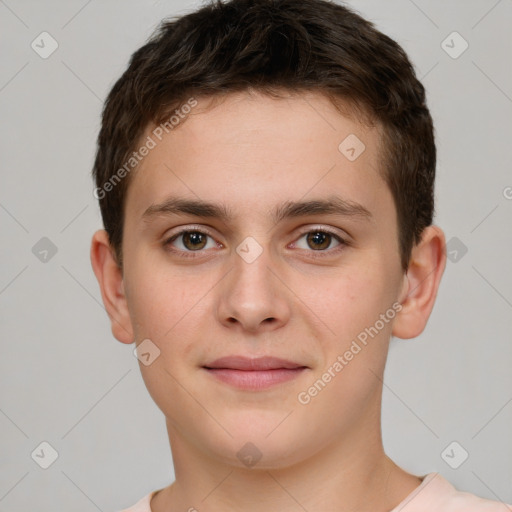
point(249, 233)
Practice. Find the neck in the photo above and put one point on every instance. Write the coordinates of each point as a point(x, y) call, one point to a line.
point(350, 474)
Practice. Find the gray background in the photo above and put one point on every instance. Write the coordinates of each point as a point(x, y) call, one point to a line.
point(65, 379)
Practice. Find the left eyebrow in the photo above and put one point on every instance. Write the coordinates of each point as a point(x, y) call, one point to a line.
point(332, 206)
point(290, 209)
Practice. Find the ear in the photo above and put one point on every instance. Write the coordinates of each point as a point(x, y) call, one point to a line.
point(421, 282)
point(110, 279)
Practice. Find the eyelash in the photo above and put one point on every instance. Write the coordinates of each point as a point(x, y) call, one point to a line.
point(312, 253)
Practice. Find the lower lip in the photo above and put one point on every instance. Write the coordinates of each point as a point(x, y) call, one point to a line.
point(255, 379)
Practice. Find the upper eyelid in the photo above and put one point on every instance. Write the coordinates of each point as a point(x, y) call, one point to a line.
point(189, 229)
point(319, 227)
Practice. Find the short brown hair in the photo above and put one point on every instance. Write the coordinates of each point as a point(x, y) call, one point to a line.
point(268, 45)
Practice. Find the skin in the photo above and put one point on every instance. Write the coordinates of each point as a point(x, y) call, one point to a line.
point(251, 153)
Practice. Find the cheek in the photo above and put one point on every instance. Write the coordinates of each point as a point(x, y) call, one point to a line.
point(167, 310)
point(173, 310)
point(160, 297)
point(356, 344)
point(347, 301)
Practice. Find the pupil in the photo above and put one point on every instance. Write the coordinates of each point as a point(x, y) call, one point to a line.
point(194, 240)
point(319, 239)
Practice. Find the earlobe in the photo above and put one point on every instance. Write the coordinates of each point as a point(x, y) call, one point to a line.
point(110, 280)
point(427, 264)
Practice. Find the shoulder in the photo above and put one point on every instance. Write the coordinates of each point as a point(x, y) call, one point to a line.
point(143, 505)
point(436, 493)
point(464, 501)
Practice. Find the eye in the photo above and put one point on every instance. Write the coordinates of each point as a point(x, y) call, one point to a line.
point(191, 240)
point(318, 240)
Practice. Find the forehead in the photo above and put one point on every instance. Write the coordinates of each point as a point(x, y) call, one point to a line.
point(253, 150)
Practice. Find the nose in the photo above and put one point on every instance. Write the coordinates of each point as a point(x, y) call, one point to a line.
point(252, 298)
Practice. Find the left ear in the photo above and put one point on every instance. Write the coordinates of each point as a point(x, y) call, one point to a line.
point(421, 282)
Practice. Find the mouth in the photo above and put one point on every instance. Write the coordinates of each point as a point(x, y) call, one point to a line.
point(254, 373)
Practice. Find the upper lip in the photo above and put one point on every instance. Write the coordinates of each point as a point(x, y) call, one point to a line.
point(254, 364)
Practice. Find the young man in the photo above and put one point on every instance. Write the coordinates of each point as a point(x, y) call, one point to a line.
point(265, 171)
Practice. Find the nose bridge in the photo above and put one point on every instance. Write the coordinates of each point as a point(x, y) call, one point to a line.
point(252, 275)
point(252, 296)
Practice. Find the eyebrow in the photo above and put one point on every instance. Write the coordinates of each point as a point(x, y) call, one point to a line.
point(333, 205)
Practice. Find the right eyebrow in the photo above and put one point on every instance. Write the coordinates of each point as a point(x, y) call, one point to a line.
point(197, 208)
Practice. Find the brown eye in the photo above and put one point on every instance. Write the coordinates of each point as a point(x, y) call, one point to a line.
point(194, 240)
point(188, 241)
point(318, 240)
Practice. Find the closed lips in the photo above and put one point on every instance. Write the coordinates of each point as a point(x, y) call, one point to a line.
point(252, 364)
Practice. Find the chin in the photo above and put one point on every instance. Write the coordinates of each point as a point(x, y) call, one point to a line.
point(264, 441)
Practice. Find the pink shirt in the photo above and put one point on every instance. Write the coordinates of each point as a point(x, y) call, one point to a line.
point(435, 494)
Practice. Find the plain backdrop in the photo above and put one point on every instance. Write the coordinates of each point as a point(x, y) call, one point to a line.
point(67, 382)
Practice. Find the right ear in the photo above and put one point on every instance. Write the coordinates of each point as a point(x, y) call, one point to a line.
point(110, 279)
